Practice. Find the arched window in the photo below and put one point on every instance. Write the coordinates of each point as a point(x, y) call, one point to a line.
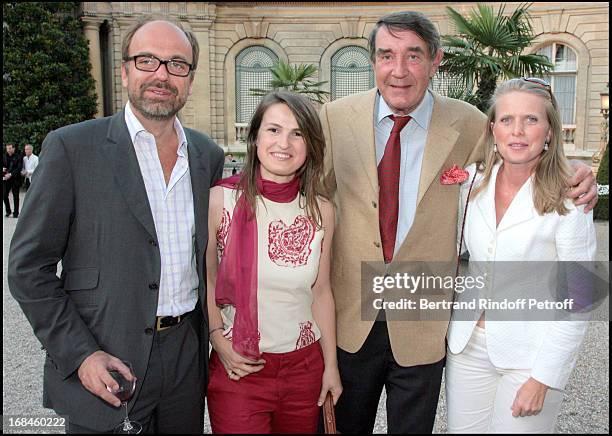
point(448, 85)
point(351, 72)
point(252, 71)
point(563, 83)
point(445, 83)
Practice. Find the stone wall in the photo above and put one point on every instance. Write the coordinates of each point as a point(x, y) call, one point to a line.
point(311, 32)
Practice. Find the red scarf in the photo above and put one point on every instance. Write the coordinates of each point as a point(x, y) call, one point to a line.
point(237, 272)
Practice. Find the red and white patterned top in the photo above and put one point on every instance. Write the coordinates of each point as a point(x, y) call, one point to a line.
point(288, 264)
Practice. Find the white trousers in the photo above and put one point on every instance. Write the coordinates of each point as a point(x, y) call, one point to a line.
point(479, 396)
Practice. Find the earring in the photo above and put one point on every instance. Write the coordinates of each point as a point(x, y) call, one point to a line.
point(494, 148)
point(546, 143)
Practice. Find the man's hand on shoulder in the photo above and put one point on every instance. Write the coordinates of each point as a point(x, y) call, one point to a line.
point(95, 377)
point(583, 186)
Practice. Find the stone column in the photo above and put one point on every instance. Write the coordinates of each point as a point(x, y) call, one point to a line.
point(200, 98)
point(92, 33)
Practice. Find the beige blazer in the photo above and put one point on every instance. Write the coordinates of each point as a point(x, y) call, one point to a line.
point(351, 175)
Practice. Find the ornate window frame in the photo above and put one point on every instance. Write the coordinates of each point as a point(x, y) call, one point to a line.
point(230, 126)
point(581, 106)
point(360, 52)
point(332, 49)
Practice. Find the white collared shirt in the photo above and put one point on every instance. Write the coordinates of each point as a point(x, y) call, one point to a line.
point(173, 215)
point(29, 165)
point(412, 139)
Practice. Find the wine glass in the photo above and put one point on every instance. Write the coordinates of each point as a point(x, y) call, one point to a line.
point(124, 392)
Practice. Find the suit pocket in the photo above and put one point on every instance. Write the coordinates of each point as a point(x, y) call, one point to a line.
point(81, 284)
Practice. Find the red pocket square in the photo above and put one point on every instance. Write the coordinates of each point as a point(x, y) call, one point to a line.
point(454, 175)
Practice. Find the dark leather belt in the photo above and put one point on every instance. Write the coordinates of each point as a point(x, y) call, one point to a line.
point(165, 322)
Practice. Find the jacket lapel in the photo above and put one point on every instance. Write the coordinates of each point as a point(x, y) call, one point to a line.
point(120, 152)
point(519, 210)
point(441, 139)
point(200, 185)
point(362, 129)
point(485, 203)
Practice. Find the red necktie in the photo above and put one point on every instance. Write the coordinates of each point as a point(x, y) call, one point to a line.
point(388, 184)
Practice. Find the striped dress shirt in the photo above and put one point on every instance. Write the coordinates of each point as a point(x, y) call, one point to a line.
point(413, 138)
point(173, 215)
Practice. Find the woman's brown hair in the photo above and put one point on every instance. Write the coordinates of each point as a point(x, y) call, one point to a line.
point(310, 173)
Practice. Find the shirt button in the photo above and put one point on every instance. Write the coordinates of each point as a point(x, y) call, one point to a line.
point(153, 286)
point(148, 331)
point(374, 205)
point(377, 244)
point(152, 242)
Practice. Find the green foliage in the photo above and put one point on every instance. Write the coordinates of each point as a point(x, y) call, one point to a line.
point(460, 92)
point(603, 177)
point(46, 71)
point(602, 209)
point(296, 78)
point(489, 46)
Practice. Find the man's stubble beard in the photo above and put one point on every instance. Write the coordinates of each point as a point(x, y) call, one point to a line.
point(155, 110)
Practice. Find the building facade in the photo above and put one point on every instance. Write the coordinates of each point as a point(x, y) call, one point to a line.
point(240, 40)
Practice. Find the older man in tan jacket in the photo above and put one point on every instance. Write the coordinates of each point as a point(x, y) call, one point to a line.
point(419, 224)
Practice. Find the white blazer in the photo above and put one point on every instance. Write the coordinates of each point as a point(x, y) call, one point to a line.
point(548, 348)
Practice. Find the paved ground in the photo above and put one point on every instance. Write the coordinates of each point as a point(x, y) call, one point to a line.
point(585, 407)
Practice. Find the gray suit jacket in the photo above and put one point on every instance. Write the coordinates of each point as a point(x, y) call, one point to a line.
point(88, 207)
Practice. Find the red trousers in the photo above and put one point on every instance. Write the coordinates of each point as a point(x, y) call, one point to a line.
point(280, 398)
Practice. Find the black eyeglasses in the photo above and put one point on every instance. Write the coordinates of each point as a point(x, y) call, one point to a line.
point(540, 82)
point(150, 64)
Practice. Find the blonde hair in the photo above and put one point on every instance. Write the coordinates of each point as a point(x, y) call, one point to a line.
point(553, 169)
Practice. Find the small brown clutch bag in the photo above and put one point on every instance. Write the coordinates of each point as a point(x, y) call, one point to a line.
point(329, 417)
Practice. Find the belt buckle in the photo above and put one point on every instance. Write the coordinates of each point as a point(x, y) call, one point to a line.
point(158, 325)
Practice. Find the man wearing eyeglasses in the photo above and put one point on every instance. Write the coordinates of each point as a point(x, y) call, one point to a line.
point(122, 202)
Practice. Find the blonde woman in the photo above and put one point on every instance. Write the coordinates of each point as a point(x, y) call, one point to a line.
point(509, 376)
